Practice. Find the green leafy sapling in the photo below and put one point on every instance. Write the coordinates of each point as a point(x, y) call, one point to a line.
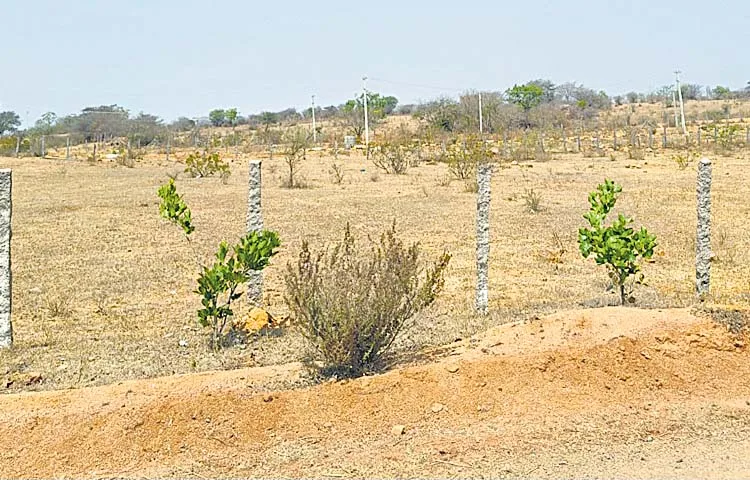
point(174, 209)
point(617, 246)
point(219, 285)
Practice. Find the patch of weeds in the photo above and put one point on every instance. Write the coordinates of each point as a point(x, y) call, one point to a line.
point(532, 200)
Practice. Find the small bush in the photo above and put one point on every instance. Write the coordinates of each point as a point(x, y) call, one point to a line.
point(337, 173)
point(471, 185)
point(617, 246)
point(464, 158)
point(393, 157)
point(532, 200)
point(205, 165)
point(684, 160)
point(444, 181)
point(635, 153)
point(295, 151)
point(352, 303)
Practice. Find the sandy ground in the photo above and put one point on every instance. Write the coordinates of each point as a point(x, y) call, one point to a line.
point(103, 287)
point(599, 393)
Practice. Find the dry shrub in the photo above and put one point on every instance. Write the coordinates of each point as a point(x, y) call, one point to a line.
point(533, 200)
point(471, 185)
point(205, 164)
point(337, 173)
point(394, 156)
point(635, 153)
point(463, 158)
point(352, 303)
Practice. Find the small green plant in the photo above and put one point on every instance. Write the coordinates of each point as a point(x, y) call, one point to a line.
point(616, 246)
point(174, 209)
point(352, 303)
point(205, 165)
point(219, 285)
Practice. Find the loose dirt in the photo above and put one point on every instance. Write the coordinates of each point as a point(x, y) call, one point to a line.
point(611, 392)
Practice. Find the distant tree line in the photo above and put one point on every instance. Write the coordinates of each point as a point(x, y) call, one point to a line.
point(533, 104)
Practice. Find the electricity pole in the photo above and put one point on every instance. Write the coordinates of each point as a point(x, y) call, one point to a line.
point(367, 122)
point(481, 124)
point(682, 105)
point(674, 107)
point(315, 133)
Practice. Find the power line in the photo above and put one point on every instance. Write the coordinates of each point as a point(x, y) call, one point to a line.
point(416, 85)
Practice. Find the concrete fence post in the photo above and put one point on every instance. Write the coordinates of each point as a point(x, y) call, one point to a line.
point(255, 224)
point(614, 139)
point(6, 328)
point(703, 254)
point(484, 175)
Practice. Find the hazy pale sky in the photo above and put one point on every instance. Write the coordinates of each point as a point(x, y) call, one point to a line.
point(185, 57)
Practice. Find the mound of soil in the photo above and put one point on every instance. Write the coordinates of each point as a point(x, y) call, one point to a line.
point(608, 392)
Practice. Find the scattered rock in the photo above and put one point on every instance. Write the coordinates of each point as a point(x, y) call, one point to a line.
point(267, 398)
point(398, 430)
point(183, 343)
point(645, 355)
point(437, 407)
point(452, 368)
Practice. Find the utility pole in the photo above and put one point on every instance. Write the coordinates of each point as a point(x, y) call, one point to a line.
point(674, 107)
point(682, 105)
point(367, 122)
point(481, 120)
point(315, 133)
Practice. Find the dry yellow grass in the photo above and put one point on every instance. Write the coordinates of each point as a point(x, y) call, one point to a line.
point(103, 286)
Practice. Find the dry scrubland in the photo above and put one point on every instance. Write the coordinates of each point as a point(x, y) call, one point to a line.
point(103, 286)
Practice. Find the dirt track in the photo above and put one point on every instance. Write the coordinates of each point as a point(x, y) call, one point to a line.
point(594, 393)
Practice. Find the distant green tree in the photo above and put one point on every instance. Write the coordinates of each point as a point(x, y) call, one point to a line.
point(267, 119)
point(231, 116)
point(377, 108)
point(389, 104)
point(183, 124)
point(722, 92)
point(548, 89)
point(525, 96)
point(217, 117)
point(144, 128)
point(9, 122)
point(46, 123)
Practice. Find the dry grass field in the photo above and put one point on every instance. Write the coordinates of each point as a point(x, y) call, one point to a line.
point(103, 286)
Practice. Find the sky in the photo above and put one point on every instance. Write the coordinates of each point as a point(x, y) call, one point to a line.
point(183, 58)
